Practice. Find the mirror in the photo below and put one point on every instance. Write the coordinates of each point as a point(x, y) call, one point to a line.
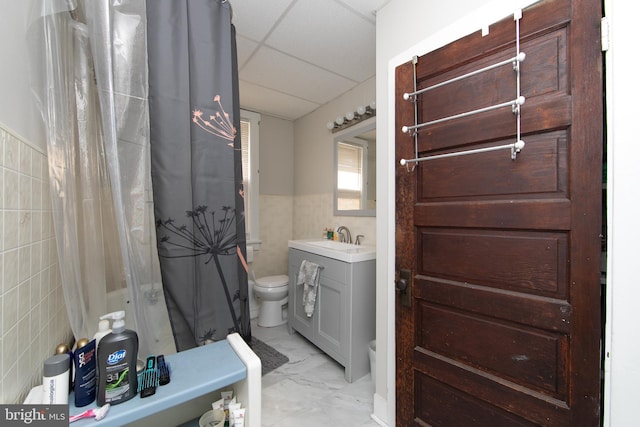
point(354, 186)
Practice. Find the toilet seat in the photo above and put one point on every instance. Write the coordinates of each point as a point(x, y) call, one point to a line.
point(272, 281)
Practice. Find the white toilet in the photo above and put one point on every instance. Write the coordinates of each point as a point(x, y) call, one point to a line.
point(271, 292)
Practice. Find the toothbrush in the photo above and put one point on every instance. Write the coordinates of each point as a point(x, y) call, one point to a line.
point(99, 413)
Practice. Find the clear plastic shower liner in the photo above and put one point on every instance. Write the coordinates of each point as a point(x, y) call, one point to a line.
point(89, 74)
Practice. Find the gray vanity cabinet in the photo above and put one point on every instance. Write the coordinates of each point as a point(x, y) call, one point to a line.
point(343, 321)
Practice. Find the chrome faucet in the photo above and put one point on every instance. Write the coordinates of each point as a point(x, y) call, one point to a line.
point(343, 238)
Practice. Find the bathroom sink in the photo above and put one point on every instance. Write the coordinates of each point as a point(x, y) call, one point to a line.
point(332, 244)
point(340, 251)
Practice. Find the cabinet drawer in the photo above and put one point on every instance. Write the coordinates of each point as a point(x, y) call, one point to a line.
point(332, 269)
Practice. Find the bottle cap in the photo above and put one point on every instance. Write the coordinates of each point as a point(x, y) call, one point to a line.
point(103, 325)
point(81, 343)
point(62, 349)
point(118, 320)
point(56, 365)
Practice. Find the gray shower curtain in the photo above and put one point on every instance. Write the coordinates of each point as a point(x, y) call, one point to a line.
point(196, 168)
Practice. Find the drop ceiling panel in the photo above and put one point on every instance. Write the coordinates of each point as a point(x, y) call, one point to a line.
point(332, 37)
point(255, 18)
point(263, 100)
point(366, 7)
point(320, 49)
point(286, 74)
point(246, 48)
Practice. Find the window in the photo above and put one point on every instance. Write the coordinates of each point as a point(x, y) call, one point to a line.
point(351, 172)
point(250, 137)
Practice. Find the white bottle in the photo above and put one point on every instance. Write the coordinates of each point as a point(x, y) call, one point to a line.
point(103, 329)
point(55, 380)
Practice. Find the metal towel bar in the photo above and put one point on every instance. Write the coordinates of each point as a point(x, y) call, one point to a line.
point(515, 60)
point(515, 105)
point(515, 148)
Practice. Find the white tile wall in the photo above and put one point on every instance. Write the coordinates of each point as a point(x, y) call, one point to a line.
point(314, 212)
point(34, 318)
point(276, 229)
point(284, 218)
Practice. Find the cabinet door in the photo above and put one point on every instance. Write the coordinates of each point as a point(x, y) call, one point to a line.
point(298, 319)
point(331, 312)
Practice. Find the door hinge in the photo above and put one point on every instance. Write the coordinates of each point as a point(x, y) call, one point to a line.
point(604, 33)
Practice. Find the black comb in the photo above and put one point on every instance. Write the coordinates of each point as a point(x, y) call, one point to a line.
point(163, 368)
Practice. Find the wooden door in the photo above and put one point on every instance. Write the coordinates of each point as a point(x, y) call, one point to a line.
point(504, 326)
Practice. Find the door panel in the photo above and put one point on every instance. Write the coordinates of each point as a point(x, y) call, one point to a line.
point(542, 170)
point(446, 406)
point(518, 261)
point(504, 327)
point(519, 354)
point(543, 313)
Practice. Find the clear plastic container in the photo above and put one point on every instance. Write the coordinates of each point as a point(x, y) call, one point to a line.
point(213, 418)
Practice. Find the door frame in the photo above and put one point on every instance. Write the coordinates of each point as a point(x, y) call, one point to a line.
point(623, 350)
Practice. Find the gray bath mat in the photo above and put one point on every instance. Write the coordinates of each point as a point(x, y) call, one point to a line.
point(269, 356)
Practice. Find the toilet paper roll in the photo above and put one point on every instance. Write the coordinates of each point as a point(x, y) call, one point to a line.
point(249, 253)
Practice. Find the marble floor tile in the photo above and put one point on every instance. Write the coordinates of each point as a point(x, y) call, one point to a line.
point(310, 390)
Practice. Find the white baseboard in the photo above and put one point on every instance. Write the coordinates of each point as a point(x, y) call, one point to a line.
point(380, 413)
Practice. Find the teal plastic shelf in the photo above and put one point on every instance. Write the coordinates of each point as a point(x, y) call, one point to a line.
point(194, 373)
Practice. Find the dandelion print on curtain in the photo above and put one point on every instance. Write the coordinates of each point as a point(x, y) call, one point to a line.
point(196, 168)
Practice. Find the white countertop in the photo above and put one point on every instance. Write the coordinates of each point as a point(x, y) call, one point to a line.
point(336, 250)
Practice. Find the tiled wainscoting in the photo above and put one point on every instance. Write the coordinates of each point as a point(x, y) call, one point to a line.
point(276, 225)
point(314, 212)
point(283, 218)
point(34, 318)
